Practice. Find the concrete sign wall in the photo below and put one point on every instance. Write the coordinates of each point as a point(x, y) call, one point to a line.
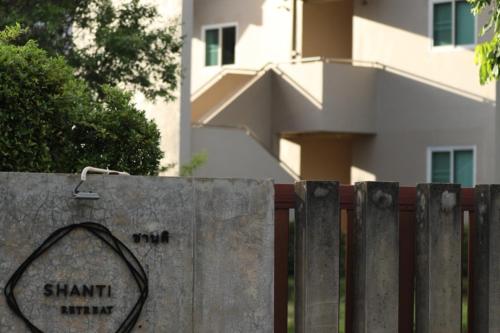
point(206, 248)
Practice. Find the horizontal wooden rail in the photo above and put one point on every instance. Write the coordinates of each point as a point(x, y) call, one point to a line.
point(285, 197)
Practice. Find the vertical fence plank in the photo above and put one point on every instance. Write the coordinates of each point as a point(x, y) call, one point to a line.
point(486, 256)
point(438, 283)
point(376, 257)
point(317, 257)
point(281, 270)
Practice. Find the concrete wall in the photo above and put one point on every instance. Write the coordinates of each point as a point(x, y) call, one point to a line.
point(412, 116)
point(215, 274)
point(327, 29)
point(264, 33)
point(232, 153)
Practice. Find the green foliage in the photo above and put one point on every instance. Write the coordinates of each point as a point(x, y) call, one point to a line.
point(12, 33)
point(198, 159)
point(123, 43)
point(50, 121)
point(487, 54)
point(118, 136)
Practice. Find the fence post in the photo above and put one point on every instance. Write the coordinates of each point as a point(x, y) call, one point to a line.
point(376, 258)
point(317, 249)
point(438, 250)
point(486, 259)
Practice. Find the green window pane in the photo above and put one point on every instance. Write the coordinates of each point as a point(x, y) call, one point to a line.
point(212, 47)
point(464, 24)
point(228, 45)
point(442, 24)
point(463, 168)
point(441, 163)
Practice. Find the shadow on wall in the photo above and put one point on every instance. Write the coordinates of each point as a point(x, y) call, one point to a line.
point(323, 97)
point(409, 15)
point(402, 114)
point(410, 115)
point(218, 12)
point(413, 116)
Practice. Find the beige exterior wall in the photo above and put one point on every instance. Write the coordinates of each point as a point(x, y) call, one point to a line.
point(264, 33)
point(407, 94)
point(396, 33)
point(426, 96)
point(413, 116)
point(319, 96)
point(327, 29)
point(173, 118)
point(407, 115)
point(251, 109)
point(324, 156)
point(290, 153)
point(309, 97)
point(234, 154)
point(217, 94)
point(497, 138)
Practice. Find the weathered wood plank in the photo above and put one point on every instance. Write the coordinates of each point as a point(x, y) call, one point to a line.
point(317, 257)
point(376, 258)
point(486, 260)
point(438, 245)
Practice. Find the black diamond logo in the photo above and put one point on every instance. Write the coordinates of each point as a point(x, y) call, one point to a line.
point(105, 235)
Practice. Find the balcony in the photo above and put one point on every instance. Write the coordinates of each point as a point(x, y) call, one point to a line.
point(316, 95)
point(324, 96)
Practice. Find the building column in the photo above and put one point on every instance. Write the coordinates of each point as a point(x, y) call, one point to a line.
point(173, 118)
point(185, 112)
point(497, 136)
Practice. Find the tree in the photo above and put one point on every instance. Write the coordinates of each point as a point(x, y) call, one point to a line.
point(487, 54)
point(123, 43)
point(117, 135)
point(50, 121)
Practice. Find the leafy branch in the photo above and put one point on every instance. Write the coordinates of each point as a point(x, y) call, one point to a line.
point(487, 54)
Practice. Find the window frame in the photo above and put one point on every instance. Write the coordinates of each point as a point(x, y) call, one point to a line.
point(453, 45)
point(219, 27)
point(451, 150)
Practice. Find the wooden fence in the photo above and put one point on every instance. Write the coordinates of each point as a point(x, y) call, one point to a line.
point(403, 257)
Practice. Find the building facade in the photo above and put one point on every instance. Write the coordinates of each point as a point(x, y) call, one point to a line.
point(340, 89)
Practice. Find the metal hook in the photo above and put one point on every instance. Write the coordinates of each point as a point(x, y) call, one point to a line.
point(93, 195)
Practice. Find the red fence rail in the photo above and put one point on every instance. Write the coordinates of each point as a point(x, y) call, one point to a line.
point(285, 201)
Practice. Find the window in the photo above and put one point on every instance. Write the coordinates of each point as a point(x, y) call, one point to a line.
point(452, 165)
point(452, 23)
point(220, 44)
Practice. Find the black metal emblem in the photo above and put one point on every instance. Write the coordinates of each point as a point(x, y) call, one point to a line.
point(104, 234)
